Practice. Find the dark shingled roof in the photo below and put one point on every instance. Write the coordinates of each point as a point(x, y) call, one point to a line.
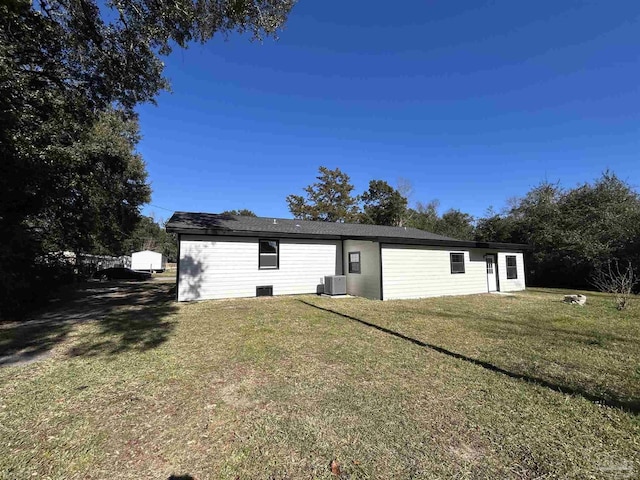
point(218, 224)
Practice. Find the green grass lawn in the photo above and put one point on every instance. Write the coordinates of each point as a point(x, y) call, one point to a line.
point(482, 386)
point(166, 274)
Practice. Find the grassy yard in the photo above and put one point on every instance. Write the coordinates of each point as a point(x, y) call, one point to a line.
point(166, 274)
point(483, 386)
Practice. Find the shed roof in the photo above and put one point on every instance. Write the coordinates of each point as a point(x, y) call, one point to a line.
point(223, 224)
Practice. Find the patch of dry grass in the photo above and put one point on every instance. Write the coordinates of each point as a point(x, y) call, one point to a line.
point(277, 388)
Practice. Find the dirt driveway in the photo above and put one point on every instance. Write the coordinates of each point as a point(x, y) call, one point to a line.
point(32, 339)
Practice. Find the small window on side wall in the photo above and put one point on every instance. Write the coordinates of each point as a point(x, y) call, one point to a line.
point(354, 262)
point(268, 258)
point(457, 262)
point(512, 267)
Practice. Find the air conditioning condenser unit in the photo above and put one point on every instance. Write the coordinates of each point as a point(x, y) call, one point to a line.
point(335, 285)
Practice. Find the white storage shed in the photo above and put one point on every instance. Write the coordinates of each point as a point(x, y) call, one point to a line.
point(147, 260)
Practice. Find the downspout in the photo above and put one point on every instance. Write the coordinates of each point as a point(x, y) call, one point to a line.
point(178, 270)
point(380, 260)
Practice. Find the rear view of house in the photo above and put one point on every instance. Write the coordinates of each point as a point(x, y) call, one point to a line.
point(227, 256)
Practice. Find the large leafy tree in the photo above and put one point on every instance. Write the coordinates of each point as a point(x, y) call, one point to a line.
point(601, 220)
point(63, 62)
point(100, 184)
point(71, 72)
point(383, 204)
point(571, 232)
point(538, 223)
point(112, 54)
point(455, 224)
point(598, 223)
point(494, 227)
point(330, 199)
point(424, 216)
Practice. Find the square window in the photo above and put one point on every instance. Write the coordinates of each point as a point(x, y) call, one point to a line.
point(269, 255)
point(512, 267)
point(457, 262)
point(354, 262)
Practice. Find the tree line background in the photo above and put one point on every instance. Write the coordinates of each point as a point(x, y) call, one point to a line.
point(572, 232)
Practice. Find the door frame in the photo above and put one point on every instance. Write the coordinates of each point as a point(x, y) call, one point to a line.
point(495, 271)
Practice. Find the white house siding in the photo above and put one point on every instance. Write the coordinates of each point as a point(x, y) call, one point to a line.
point(367, 282)
point(410, 271)
point(226, 267)
point(513, 284)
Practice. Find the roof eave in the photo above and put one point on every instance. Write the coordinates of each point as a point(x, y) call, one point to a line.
point(318, 236)
point(249, 233)
point(454, 243)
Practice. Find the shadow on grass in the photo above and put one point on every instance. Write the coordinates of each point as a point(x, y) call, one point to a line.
point(26, 343)
point(142, 323)
point(129, 316)
point(629, 406)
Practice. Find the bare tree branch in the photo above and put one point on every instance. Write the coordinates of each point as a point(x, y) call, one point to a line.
point(619, 283)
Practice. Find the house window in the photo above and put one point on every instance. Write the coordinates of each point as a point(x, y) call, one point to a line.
point(354, 262)
point(457, 262)
point(512, 269)
point(269, 255)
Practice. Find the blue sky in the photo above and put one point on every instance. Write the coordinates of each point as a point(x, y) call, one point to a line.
point(473, 102)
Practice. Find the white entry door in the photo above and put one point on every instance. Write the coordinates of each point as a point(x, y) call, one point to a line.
point(492, 281)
